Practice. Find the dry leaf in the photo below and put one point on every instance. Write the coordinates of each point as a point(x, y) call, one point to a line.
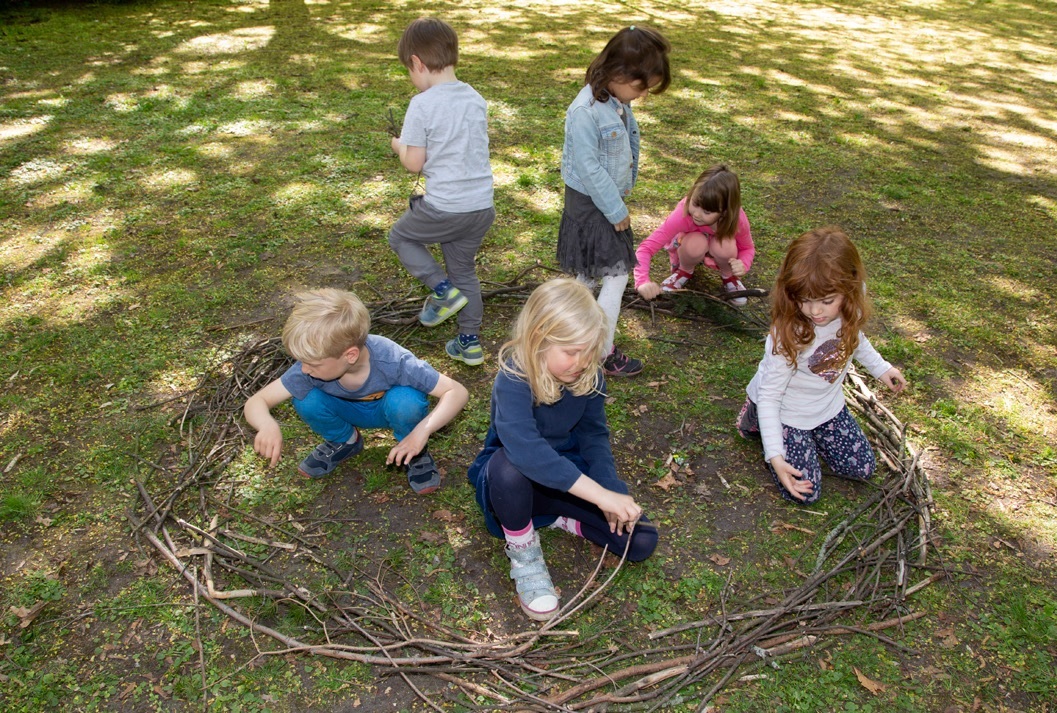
point(26, 615)
point(720, 560)
point(45, 521)
point(445, 516)
point(872, 686)
point(431, 537)
point(666, 482)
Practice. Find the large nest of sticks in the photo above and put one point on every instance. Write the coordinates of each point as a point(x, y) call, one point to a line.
point(866, 562)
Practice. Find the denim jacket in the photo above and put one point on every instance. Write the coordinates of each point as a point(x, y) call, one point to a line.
point(600, 157)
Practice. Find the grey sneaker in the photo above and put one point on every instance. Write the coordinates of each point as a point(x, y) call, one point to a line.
point(471, 353)
point(535, 591)
point(437, 309)
point(327, 455)
point(422, 473)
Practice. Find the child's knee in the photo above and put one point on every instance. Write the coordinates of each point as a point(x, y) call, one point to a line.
point(313, 405)
point(405, 406)
point(643, 541)
point(502, 474)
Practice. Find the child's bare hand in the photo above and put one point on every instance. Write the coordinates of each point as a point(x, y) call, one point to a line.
point(394, 143)
point(622, 225)
point(791, 479)
point(621, 512)
point(893, 379)
point(649, 290)
point(737, 267)
point(411, 445)
point(269, 443)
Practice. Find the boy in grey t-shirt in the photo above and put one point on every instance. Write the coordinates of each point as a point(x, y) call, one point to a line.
point(445, 136)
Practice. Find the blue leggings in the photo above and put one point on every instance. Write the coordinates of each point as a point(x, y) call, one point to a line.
point(332, 418)
point(840, 441)
point(516, 499)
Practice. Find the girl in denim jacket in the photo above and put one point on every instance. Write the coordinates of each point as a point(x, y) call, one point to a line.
point(600, 162)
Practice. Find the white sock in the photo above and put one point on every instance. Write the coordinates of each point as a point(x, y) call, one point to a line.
point(569, 525)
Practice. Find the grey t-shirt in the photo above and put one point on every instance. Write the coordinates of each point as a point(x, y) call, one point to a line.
point(391, 365)
point(451, 121)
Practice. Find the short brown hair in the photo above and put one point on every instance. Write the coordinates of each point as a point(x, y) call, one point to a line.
point(431, 40)
point(324, 324)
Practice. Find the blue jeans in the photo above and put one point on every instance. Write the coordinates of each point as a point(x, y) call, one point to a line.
point(332, 418)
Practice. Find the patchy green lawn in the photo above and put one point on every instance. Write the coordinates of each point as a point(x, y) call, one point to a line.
point(171, 172)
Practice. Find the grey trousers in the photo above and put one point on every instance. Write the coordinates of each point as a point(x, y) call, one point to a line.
point(459, 236)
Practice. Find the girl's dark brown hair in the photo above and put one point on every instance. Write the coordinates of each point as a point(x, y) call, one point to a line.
point(634, 54)
point(718, 190)
point(819, 263)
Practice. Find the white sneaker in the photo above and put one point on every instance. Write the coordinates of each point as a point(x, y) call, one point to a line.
point(735, 285)
point(676, 281)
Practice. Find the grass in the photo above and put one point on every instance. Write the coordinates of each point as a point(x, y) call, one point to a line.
point(170, 173)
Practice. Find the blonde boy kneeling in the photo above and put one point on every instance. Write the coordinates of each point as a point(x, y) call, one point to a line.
point(345, 379)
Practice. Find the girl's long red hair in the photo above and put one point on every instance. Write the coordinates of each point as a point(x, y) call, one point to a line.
point(819, 263)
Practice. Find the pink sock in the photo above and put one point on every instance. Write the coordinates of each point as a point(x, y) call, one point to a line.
point(569, 525)
point(520, 539)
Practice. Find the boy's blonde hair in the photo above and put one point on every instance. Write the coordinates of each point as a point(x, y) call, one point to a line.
point(324, 324)
point(559, 313)
point(433, 41)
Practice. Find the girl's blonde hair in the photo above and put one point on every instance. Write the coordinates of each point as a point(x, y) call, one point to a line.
point(634, 54)
point(718, 190)
point(324, 324)
point(819, 263)
point(558, 313)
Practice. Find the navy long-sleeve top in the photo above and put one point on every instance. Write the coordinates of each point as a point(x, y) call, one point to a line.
point(551, 444)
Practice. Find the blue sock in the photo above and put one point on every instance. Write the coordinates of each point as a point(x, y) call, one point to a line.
point(441, 290)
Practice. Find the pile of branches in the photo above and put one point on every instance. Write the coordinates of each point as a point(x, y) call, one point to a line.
point(870, 562)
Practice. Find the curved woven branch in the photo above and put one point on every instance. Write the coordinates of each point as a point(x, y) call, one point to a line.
point(864, 563)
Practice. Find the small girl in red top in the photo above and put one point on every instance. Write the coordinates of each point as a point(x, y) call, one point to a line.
point(708, 226)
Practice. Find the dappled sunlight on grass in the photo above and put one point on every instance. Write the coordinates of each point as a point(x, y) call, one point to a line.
point(26, 246)
point(20, 128)
point(86, 146)
point(297, 193)
point(71, 193)
point(367, 32)
point(168, 179)
point(38, 170)
point(122, 103)
point(243, 39)
point(253, 89)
